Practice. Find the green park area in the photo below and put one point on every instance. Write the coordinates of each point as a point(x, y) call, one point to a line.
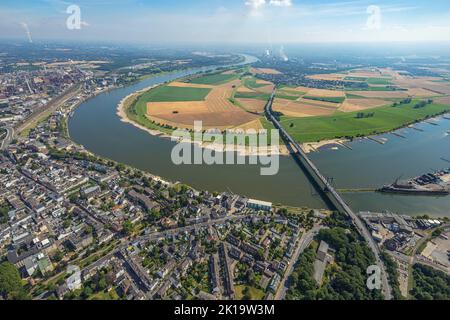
point(356, 124)
point(248, 293)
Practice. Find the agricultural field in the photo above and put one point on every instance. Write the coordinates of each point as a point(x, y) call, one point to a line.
point(264, 71)
point(252, 95)
point(326, 99)
point(302, 108)
point(220, 100)
point(173, 94)
point(352, 124)
point(214, 79)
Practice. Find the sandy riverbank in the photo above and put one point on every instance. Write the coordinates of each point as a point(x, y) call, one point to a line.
point(309, 147)
point(241, 150)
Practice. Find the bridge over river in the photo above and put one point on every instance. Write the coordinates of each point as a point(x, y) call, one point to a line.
point(328, 192)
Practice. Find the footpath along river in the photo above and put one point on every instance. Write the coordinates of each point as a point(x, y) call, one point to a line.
point(96, 125)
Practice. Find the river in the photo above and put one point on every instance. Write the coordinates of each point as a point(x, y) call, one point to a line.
point(96, 126)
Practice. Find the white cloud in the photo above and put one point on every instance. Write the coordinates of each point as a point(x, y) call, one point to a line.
point(255, 4)
point(281, 3)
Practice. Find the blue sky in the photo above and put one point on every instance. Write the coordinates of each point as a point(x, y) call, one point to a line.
point(231, 21)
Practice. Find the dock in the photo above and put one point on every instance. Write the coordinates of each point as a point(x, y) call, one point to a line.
point(376, 140)
point(345, 145)
point(417, 129)
point(430, 122)
point(398, 135)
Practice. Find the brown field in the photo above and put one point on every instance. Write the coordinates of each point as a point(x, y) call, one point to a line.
point(318, 92)
point(253, 105)
point(365, 73)
point(264, 71)
point(266, 89)
point(351, 105)
point(215, 112)
point(421, 93)
point(245, 89)
point(211, 120)
point(323, 104)
point(327, 77)
point(184, 107)
point(300, 109)
point(381, 94)
point(443, 100)
point(189, 85)
point(259, 81)
point(255, 125)
point(325, 93)
point(423, 83)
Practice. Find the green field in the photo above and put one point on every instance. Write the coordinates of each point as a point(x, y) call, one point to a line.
point(250, 82)
point(287, 97)
point(174, 94)
point(354, 96)
point(326, 99)
point(136, 111)
point(252, 95)
point(379, 81)
point(388, 88)
point(362, 79)
point(214, 79)
point(346, 125)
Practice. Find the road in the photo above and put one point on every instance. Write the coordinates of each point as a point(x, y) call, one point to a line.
point(9, 137)
point(303, 243)
point(330, 195)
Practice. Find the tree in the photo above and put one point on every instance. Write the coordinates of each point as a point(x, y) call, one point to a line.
point(10, 283)
point(246, 292)
point(127, 227)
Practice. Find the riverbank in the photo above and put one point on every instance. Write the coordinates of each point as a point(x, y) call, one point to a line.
point(96, 126)
point(128, 102)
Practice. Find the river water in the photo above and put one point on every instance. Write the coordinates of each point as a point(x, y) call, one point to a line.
point(96, 126)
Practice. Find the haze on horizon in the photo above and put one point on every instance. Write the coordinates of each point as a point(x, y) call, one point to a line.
point(229, 21)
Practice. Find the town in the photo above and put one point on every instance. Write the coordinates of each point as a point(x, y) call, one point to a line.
point(74, 225)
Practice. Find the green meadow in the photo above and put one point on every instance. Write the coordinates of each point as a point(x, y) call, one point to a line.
point(174, 94)
point(347, 125)
point(214, 79)
point(252, 95)
point(250, 82)
point(326, 99)
point(379, 81)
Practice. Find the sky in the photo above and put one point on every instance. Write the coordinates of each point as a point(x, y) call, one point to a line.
point(226, 21)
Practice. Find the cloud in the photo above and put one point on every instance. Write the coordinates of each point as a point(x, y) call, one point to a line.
point(255, 4)
point(281, 3)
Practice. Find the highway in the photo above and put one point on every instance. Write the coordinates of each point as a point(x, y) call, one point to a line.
point(303, 243)
point(329, 194)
